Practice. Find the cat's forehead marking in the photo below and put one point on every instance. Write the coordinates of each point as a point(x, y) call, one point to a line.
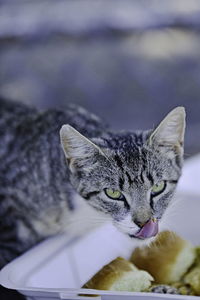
point(133, 164)
point(140, 167)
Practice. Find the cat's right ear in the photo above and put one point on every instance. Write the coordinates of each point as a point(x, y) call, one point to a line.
point(170, 132)
point(77, 148)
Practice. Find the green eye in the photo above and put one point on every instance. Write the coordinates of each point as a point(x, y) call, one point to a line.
point(158, 188)
point(114, 194)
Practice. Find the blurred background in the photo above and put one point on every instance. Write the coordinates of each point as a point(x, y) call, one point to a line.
point(130, 62)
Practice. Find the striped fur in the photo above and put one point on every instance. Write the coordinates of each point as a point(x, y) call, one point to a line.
point(38, 187)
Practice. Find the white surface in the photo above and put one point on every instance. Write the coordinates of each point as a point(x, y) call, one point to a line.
point(190, 180)
point(59, 266)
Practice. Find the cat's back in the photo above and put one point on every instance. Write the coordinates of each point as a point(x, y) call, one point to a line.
point(12, 113)
point(27, 135)
point(16, 117)
point(11, 116)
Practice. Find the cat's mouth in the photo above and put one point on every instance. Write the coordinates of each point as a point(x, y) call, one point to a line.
point(150, 229)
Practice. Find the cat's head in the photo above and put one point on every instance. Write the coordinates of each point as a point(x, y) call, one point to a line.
point(131, 177)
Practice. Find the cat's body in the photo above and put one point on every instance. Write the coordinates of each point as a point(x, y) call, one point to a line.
point(35, 194)
point(38, 190)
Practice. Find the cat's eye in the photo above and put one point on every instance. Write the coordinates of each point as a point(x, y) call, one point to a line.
point(114, 194)
point(158, 188)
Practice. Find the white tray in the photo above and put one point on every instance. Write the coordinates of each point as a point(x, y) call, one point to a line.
point(58, 267)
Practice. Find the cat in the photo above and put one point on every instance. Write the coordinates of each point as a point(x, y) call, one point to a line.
point(126, 177)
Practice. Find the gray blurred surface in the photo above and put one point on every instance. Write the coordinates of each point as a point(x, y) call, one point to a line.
point(128, 61)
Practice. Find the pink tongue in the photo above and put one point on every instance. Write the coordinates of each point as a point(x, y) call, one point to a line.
point(148, 230)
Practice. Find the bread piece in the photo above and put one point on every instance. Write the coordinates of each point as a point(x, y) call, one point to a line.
point(166, 259)
point(120, 275)
point(183, 289)
point(192, 279)
point(197, 251)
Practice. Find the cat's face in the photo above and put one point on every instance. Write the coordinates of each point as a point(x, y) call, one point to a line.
point(131, 177)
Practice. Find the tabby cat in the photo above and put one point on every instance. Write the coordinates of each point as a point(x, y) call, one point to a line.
point(45, 178)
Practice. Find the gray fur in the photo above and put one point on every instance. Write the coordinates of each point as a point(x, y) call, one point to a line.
point(164, 289)
point(39, 184)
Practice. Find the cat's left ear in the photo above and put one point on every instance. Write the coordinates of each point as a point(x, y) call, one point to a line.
point(170, 132)
point(77, 148)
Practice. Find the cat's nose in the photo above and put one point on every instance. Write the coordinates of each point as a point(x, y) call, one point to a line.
point(140, 223)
